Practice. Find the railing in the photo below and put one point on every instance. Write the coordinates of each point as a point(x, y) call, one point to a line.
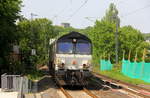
point(10, 82)
point(15, 83)
point(23, 85)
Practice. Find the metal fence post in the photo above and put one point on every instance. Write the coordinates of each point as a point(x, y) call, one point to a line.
point(20, 94)
point(3, 81)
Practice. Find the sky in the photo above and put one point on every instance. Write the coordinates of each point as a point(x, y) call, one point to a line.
point(75, 12)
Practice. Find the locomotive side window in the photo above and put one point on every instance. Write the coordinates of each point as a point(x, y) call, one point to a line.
point(83, 48)
point(65, 47)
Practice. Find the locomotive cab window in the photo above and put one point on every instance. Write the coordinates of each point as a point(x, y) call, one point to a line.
point(65, 47)
point(83, 48)
point(74, 48)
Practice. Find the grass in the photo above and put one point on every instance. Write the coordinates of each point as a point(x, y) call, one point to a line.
point(116, 74)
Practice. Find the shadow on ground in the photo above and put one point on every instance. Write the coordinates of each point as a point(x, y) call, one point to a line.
point(95, 83)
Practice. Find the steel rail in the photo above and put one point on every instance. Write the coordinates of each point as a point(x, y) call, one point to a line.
point(65, 93)
point(122, 82)
point(89, 93)
point(62, 89)
point(126, 84)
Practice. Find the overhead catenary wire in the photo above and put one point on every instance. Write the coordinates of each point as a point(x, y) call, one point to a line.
point(59, 13)
point(85, 2)
point(96, 18)
point(70, 1)
point(135, 11)
point(121, 1)
point(92, 19)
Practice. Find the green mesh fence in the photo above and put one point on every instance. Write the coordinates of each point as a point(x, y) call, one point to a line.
point(105, 65)
point(138, 70)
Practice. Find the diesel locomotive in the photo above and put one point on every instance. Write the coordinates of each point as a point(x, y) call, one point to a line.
point(70, 59)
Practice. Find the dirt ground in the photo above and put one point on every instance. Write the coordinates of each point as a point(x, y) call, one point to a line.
point(49, 90)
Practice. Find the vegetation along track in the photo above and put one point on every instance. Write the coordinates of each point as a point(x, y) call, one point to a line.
point(140, 91)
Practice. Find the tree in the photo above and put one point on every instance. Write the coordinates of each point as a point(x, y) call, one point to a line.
point(35, 34)
point(103, 38)
point(111, 15)
point(9, 13)
point(146, 36)
point(132, 40)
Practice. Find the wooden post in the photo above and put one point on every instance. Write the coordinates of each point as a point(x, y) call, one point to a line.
point(143, 59)
point(135, 64)
point(135, 59)
point(129, 55)
point(144, 52)
point(100, 57)
point(109, 57)
point(104, 55)
point(123, 54)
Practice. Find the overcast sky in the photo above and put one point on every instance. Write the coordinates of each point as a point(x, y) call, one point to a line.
point(131, 12)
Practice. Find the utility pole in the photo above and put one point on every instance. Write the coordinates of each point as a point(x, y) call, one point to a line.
point(32, 15)
point(115, 17)
point(33, 51)
point(116, 40)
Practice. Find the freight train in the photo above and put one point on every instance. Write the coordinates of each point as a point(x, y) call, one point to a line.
point(70, 59)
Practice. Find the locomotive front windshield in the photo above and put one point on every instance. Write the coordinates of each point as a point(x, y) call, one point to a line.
point(65, 47)
point(83, 48)
point(77, 48)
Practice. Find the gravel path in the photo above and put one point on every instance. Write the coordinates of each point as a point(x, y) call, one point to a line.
point(54, 92)
point(8, 94)
point(78, 94)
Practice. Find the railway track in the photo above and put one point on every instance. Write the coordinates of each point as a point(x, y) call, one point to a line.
point(125, 86)
point(96, 89)
point(68, 95)
point(90, 93)
point(65, 93)
point(58, 84)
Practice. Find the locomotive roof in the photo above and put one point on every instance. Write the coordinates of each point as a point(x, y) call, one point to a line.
point(72, 35)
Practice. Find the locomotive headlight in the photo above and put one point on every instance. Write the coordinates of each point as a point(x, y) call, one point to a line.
point(86, 64)
point(60, 62)
point(89, 62)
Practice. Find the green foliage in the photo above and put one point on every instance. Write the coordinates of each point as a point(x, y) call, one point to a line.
point(35, 75)
point(116, 74)
point(146, 36)
point(35, 34)
point(16, 67)
point(132, 40)
point(119, 76)
point(9, 13)
point(103, 39)
point(111, 15)
point(102, 36)
point(61, 30)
